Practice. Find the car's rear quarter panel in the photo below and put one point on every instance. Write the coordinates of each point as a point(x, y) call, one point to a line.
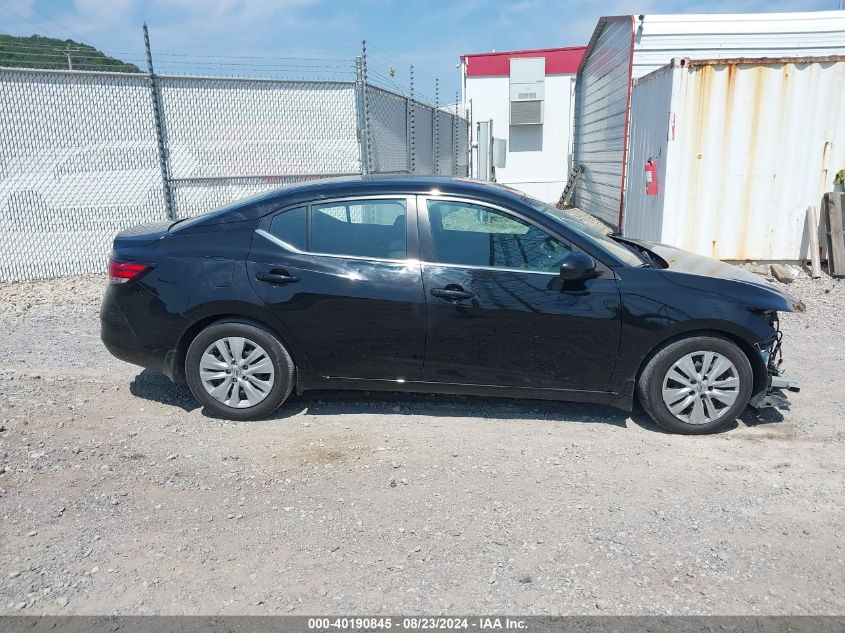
point(198, 276)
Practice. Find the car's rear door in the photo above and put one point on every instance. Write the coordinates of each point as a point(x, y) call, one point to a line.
point(498, 311)
point(343, 277)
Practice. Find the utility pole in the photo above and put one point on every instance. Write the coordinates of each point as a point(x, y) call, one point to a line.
point(69, 60)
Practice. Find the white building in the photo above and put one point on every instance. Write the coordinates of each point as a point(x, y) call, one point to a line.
point(528, 96)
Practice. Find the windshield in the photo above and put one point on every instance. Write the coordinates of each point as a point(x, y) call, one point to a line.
point(599, 238)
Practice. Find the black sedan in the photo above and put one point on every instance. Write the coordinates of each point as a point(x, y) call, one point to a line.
point(438, 285)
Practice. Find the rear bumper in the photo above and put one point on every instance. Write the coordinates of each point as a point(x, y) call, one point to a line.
point(155, 347)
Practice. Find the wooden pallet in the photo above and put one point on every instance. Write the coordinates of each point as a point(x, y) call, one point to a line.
point(813, 231)
point(832, 216)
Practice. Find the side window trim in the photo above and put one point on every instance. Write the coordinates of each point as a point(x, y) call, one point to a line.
point(280, 242)
point(427, 247)
point(412, 245)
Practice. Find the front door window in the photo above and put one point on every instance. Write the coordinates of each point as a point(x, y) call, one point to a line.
point(466, 234)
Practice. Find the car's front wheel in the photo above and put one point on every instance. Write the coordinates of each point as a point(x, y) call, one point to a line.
point(238, 371)
point(696, 385)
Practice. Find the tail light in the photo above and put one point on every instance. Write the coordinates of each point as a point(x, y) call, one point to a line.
point(121, 272)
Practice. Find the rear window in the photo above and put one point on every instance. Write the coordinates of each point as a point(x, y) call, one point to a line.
point(291, 227)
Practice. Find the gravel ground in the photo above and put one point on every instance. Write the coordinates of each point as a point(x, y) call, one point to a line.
point(117, 495)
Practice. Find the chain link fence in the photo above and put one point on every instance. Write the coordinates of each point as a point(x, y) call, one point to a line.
point(83, 156)
point(228, 139)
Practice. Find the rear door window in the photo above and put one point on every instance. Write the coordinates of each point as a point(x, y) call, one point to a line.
point(360, 228)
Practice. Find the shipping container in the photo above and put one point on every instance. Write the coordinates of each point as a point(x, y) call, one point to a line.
point(623, 48)
point(601, 117)
point(739, 148)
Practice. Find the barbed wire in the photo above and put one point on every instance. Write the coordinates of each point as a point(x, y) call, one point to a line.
point(387, 72)
point(170, 54)
point(385, 68)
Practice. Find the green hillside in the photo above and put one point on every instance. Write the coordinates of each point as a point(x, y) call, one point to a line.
point(36, 51)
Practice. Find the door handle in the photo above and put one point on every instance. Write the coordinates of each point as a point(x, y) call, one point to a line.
point(451, 293)
point(277, 277)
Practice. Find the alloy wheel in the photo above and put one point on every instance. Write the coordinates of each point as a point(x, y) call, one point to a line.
point(237, 372)
point(701, 387)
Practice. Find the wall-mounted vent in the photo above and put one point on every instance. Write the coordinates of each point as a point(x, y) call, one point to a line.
point(526, 112)
point(527, 90)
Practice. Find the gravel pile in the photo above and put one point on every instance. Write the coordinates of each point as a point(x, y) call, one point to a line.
point(590, 220)
point(117, 495)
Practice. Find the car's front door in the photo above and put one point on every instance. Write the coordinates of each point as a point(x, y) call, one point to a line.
point(498, 311)
point(344, 280)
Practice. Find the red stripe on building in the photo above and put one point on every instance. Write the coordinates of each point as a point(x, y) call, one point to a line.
point(559, 61)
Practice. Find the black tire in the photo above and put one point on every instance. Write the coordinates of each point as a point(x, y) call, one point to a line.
point(651, 382)
point(283, 369)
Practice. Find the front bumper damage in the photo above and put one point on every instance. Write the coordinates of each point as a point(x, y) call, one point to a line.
point(777, 382)
point(773, 395)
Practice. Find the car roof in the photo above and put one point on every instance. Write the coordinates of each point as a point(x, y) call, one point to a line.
point(398, 183)
point(328, 188)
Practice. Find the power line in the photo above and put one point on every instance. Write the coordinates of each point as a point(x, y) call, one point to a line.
point(44, 15)
point(60, 25)
point(26, 19)
point(58, 52)
point(383, 56)
point(385, 70)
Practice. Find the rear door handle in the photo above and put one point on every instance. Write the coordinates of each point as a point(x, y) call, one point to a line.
point(451, 293)
point(277, 277)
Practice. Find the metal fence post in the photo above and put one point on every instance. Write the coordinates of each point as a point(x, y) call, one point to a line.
point(161, 137)
point(436, 127)
point(455, 136)
point(470, 135)
point(408, 134)
point(368, 149)
point(359, 115)
point(412, 133)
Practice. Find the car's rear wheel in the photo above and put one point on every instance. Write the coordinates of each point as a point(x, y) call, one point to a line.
point(696, 385)
point(238, 371)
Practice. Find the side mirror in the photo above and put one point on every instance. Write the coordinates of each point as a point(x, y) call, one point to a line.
point(576, 266)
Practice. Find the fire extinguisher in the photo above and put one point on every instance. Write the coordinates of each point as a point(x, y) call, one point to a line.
point(651, 185)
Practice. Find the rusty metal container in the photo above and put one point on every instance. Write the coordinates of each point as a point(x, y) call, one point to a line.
point(741, 148)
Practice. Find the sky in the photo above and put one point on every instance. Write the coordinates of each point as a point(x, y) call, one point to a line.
point(320, 37)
